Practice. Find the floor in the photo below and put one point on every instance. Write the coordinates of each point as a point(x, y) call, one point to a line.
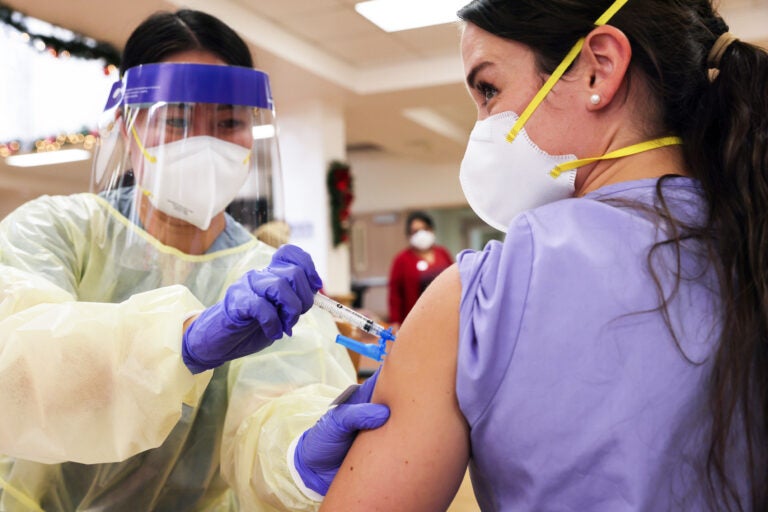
point(465, 499)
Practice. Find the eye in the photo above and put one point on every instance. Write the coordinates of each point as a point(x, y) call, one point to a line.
point(177, 116)
point(231, 123)
point(177, 123)
point(487, 91)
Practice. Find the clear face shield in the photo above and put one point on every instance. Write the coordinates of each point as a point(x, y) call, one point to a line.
point(190, 145)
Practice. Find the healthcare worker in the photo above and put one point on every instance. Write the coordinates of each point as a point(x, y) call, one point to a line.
point(610, 354)
point(153, 354)
point(415, 267)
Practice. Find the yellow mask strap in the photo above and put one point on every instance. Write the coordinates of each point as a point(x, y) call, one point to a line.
point(149, 157)
point(153, 159)
point(559, 72)
point(550, 83)
point(619, 153)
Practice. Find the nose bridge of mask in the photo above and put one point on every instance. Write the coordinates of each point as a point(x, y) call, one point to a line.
point(153, 159)
point(550, 83)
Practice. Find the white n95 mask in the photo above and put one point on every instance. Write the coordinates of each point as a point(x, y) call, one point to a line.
point(500, 179)
point(194, 179)
point(504, 172)
point(422, 240)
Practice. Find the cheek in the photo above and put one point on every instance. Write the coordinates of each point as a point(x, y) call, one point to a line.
point(558, 132)
point(546, 134)
point(137, 161)
point(152, 138)
point(243, 138)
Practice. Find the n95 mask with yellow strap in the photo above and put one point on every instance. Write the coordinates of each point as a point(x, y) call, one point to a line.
point(194, 179)
point(504, 172)
point(501, 179)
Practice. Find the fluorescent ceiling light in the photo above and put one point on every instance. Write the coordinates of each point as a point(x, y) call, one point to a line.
point(48, 157)
point(264, 131)
point(394, 15)
point(431, 120)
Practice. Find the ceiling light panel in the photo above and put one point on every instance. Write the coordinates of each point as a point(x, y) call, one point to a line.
point(395, 15)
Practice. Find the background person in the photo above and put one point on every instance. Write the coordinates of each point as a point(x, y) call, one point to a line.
point(415, 267)
point(137, 364)
point(610, 354)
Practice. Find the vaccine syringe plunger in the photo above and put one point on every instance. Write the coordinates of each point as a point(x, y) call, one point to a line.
point(375, 351)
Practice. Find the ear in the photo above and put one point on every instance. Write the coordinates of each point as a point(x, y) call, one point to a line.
point(607, 54)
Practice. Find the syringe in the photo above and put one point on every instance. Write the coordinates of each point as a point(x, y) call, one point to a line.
point(352, 317)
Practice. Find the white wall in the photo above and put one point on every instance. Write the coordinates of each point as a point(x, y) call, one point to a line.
point(385, 182)
point(311, 135)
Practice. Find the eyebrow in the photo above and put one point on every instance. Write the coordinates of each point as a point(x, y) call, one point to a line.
point(475, 70)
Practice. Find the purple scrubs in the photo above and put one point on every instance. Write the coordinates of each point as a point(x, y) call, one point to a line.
point(577, 396)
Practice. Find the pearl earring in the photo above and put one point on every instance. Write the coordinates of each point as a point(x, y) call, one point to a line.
point(595, 99)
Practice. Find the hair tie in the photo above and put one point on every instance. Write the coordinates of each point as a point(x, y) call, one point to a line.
point(717, 51)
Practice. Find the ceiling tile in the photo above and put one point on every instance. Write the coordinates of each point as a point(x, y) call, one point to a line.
point(434, 41)
point(278, 9)
point(369, 51)
point(331, 25)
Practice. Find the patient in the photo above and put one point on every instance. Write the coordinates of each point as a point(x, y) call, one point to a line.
point(608, 355)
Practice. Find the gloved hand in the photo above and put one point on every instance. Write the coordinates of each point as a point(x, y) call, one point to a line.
point(256, 310)
point(322, 448)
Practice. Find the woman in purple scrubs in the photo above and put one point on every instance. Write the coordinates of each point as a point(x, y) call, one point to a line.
point(610, 354)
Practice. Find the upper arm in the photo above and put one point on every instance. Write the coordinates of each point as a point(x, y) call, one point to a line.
point(39, 237)
point(417, 460)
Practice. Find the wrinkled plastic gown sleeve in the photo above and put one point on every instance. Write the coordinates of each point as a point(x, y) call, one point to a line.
point(98, 382)
point(264, 417)
point(85, 381)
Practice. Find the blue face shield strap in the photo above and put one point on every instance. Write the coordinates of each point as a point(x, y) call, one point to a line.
point(175, 82)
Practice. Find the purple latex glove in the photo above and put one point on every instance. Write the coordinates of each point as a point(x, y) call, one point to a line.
point(256, 310)
point(322, 448)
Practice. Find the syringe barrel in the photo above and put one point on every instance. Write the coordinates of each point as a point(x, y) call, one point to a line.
point(346, 314)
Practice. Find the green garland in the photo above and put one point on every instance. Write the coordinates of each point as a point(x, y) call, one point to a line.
point(340, 192)
point(79, 46)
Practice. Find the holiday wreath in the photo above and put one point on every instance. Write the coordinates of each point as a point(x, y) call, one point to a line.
point(340, 193)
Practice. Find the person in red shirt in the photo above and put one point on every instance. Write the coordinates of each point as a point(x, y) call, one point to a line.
point(415, 267)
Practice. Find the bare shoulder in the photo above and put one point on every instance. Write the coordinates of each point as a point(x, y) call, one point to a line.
point(417, 460)
point(427, 339)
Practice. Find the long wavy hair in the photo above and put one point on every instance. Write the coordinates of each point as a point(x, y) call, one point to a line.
point(724, 126)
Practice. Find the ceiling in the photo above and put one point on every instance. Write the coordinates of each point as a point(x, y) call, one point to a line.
point(389, 84)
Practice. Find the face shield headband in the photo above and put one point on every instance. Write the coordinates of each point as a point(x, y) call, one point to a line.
point(191, 83)
point(194, 139)
point(550, 83)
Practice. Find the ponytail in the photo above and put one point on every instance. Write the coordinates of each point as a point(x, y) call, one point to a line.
point(712, 91)
point(727, 148)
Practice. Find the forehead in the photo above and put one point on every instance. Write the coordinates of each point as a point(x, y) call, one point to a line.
point(195, 56)
point(480, 48)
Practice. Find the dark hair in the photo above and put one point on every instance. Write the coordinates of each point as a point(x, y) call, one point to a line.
point(724, 126)
point(418, 215)
point(165, 33)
